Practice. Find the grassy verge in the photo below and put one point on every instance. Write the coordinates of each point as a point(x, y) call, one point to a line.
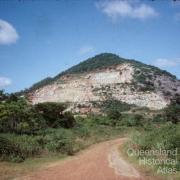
point(161, 139)
point(10, 170)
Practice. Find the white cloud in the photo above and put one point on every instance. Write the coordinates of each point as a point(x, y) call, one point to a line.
point(8, 34)
point(4, 81)
point(126, 9)
point(86, 49)
point(162, 63)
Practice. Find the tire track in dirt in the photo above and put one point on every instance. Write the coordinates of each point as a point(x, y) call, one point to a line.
point(99, 162)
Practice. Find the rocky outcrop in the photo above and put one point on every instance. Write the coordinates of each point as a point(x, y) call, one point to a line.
point(114, 82)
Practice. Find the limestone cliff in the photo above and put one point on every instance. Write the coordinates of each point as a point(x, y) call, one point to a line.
point(106, 77)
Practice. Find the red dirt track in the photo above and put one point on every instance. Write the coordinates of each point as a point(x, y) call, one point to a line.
point(99, 162)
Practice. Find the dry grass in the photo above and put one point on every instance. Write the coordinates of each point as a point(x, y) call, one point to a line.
point(149, 171)
point(10, 170)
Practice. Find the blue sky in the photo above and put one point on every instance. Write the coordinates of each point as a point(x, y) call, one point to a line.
point(41, 38)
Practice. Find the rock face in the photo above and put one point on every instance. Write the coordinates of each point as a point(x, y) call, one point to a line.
point(121, 82)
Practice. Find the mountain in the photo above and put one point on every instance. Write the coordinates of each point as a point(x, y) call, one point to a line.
point(107, 78)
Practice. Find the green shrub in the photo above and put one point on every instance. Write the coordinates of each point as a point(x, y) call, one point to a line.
point(9, 150)
point(101, 120)
point(120, 106)
point(82, 128)
point(53, 114)
point(114, 117)
point(27, 145)
point(172, 113)
point(67, 121)
point(159, 118)
point(19, 117)
point(132, 120)
point(60, 141)
point(82, 131)
point(51, 111)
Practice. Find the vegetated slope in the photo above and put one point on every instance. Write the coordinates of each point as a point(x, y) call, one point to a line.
point(108, 77)
point(98, 62)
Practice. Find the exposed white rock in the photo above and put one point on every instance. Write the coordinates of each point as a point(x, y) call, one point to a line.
point(97, 86)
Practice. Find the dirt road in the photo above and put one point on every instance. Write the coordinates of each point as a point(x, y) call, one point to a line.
point(99, 162)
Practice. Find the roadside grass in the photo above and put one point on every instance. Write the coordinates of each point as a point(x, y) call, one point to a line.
point(10, 170)
point(151, 170)
point(148, 171)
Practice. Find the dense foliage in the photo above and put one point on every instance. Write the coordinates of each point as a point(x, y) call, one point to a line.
point(18, 116)
point(105, 60)
point(54, 115)
point(97, 62)
point(56, 140)
point(173, 113)
point(115, 105)
point(148, 69)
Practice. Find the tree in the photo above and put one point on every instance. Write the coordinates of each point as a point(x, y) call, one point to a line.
point(172, 113)
point(51, 111)
point(3, 96)
point(54, 115)
point(68, 120)
point(114, 116)
point(19, 117)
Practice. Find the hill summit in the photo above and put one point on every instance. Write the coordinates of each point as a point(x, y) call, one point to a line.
point(104, 78)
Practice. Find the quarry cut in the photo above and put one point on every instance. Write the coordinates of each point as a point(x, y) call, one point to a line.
point(81, 90)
